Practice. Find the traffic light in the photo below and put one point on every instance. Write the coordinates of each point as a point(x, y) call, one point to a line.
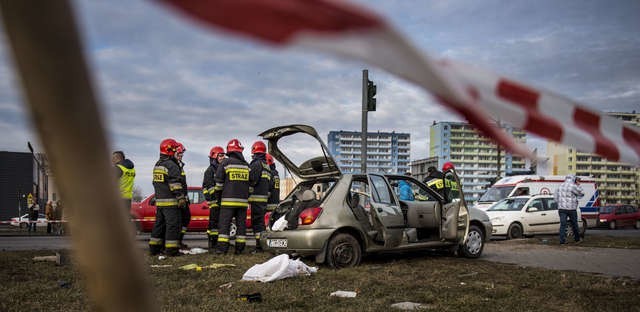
point(371, 93)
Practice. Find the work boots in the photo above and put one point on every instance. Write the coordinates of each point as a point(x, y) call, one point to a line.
point(258, 248)
point(213, 242)
point(155, 250)
point(172, 252)
point(239, 248)
point(222, 248)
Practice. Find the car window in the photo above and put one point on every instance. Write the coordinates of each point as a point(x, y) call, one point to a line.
point(420, 192)
point(359, 194)
point(380, 191)
point(537, 203)
point(195, 196)
point(509, 204)
point(551, 204)
point(496, 193)
point(606, 209)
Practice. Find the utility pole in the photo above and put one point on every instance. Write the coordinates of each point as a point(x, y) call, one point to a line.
point(368, 104)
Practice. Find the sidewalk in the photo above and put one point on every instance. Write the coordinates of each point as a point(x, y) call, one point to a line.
point(607, 261)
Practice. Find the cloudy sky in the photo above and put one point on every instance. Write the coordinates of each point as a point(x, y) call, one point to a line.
point(159, 75)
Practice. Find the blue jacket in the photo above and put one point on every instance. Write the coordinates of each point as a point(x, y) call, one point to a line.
point(406, 193)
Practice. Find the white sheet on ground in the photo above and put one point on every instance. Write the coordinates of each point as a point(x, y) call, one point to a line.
point(276, 268)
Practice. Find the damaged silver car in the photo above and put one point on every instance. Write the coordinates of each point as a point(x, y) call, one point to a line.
point(338, 218)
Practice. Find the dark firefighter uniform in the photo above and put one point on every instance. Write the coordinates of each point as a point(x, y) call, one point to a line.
point(169, 197)
point(185, 213)
point(274, 192)
point(435, 180)
point(259, 194)
point(208, 189)
point(232, 187)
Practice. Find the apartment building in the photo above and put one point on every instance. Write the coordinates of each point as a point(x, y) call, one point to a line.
point(387, 152)
point(477, 159)
point(617, 182)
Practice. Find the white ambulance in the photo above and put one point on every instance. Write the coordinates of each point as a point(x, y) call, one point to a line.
point(536, 184)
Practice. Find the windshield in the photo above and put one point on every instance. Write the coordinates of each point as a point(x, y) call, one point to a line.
point(606, 209)
point(496, 193)
point(509, 204)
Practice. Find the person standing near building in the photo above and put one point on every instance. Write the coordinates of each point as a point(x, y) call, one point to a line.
point(34, 211)
point(50, 215)
point(274, 191)
point(232, 187)
point(567, 196)
point(186, 212)
point(126, 174)
point(260, 172)
point(216, 155)
point(170, 200)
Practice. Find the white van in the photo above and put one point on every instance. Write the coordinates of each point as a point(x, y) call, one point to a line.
point(536, 184)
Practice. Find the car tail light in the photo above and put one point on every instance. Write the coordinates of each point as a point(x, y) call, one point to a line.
point(309, 215)
point(267, 215)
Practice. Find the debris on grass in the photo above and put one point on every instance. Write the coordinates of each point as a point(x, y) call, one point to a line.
point(193, 266)
point(468, 274)
point(410, 306)
point(58, 258)
point(193, 251)
point(161, 265)
point(344, 294)
point(255, 297)
point(226, 285)
point(278, 267)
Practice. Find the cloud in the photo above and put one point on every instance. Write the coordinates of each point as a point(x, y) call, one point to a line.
point(160, 75)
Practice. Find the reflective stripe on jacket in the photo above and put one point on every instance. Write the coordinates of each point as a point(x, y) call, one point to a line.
point(126, 181)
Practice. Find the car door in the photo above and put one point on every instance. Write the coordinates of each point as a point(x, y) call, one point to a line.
point(455, 215)
point(387, 216)
point(536, 218)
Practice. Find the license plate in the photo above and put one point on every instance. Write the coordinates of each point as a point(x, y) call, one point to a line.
point(277, 243)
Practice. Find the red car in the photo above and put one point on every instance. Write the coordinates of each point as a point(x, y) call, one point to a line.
point(144, 213)
point(615, 216)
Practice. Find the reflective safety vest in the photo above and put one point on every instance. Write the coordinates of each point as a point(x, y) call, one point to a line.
point(126, 181)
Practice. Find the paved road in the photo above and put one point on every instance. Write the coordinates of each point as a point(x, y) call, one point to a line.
point(607, 261)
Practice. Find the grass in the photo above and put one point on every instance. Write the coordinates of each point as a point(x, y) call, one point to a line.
point(441, 283)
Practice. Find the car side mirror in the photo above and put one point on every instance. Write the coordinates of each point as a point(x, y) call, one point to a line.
point(152, 201)
point(532, 209)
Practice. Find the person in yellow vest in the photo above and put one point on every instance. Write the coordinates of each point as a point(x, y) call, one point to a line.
point(126, 174)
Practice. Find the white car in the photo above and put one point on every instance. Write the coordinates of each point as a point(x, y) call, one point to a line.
point(519, 216)
point(24, 220)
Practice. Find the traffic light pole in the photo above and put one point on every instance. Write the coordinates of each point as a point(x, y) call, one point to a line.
point(365, 97)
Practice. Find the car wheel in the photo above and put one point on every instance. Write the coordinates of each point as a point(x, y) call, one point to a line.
point(472, 248)
point(23, 225)
point(515, 231)
point(344, 251)
point(612, 224)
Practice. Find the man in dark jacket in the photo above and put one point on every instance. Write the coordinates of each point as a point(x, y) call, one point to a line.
point(274, 192)
point(185, 213)
point(259, 194)
point(232, 187)
point(126, 175)
point(216, 155)
point(435, 180)
point(170, 200)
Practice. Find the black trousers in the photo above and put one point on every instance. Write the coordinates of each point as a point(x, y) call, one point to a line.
point(226, 216)
point(214, 220)
point(167, 226)
point(185, 218)
point(257, 218)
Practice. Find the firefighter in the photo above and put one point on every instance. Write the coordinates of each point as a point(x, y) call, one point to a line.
point(451, 190)
point(185, 213)
point(435, 180)
point(274, 191)
point(216, 155)
point(259, 194)
point(170, 200)
point(232, 187)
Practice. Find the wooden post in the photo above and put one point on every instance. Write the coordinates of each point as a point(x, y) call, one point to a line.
point(57, 87)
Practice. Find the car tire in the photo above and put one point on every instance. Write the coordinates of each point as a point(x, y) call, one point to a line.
point(515, 231)
point(473, 246)
point(612, 224)
point(23, 225)
point(233, 230)
point(343, 251)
